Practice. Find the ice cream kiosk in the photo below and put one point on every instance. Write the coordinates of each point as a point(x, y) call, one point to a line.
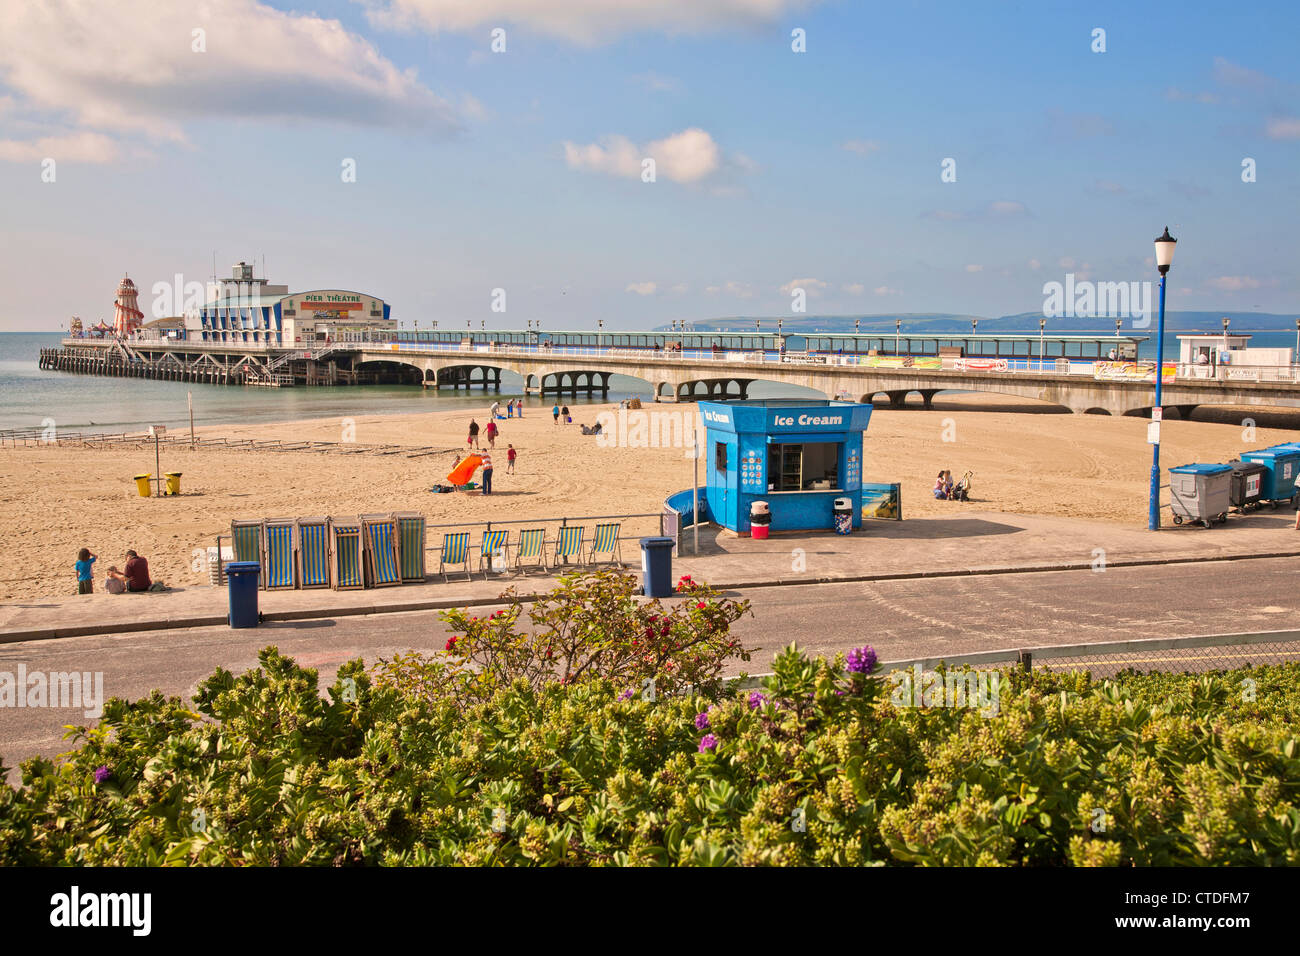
point(801, 458)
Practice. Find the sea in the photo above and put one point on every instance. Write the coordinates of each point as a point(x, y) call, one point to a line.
point(31, 397)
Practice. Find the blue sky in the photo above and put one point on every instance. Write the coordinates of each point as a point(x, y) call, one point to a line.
point(520, 170)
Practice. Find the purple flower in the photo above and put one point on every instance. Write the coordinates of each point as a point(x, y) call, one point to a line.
point(757, 699)
point(840, 693)
point(626, 695)
point(709, 742)
point(701, 720)
point(862, 660)
point(102, 773)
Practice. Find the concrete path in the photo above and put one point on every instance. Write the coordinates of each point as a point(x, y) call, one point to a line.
point(965, 543)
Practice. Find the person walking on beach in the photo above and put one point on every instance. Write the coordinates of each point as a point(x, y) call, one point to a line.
point(85, 576)
point(487, 474)
point(492, 434)
point(511, 454)
point(472, 441)
point(568, 420)
point(555, 413)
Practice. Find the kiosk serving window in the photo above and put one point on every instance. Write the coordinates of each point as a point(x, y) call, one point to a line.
point(804, 466)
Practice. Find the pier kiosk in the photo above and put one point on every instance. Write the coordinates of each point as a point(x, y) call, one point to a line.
point(798, 455)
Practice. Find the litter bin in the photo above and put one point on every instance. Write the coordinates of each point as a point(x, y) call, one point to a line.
point(1200, 493)
point(173, 482)
point(760, 519)
point(1247, 483)
point(142, 485)
point(241, 578)
point(656, 567)
point(843, 512)
point(1282, 463)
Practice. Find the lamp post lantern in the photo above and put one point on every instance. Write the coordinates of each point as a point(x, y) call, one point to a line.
point(1164, 258)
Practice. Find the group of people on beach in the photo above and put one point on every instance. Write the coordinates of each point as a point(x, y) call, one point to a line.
point(134, 576)
point(946, 490)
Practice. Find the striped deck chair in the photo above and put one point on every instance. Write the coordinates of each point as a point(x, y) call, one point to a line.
point(346, 553)
point(248, 539)
point(383, 566)
point(314, 552)
point(532, 544)
point(281, 553)
point(495, 550)
point(410, 545)
point(455, 550)
point(568, 545)
point(605, 544)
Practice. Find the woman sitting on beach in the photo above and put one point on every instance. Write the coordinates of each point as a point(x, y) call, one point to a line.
point(940, 488)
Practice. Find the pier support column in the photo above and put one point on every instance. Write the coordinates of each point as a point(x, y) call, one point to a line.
point(927, 397)
point(896, 399)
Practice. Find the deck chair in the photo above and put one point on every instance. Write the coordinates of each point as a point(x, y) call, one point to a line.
point(605, 544)
point(247, 540)
point(314, 552)
point(281, 551)
point(346, 553)
point(455, 550)
point(410, 545)
point(568, 545)
point(383, 566)
point(496, 546)
point(532, 544)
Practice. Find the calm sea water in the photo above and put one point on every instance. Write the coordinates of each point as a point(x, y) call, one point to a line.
point(29, 396)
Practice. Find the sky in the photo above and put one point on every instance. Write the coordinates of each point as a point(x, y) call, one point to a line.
point(431, 152)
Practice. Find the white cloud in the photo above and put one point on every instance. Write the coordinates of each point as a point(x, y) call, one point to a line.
point(655, 83)
point(854, 288)
point(863, 147)
point(1005, 208)
point(1035, 264)
point(686, 157)
point(731, 287)
point(1065, 262)
point(85, 147)
point(1233, 283)
point(1283, 129)
point(810, 286)
point(974, 268)
point(129, 67)
point(642, 288)
point(886, 290)
point(582, 21)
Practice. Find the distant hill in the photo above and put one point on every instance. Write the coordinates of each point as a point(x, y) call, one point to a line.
point(1021, 322)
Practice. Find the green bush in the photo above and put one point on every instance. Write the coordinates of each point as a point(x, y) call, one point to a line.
point(821, 767)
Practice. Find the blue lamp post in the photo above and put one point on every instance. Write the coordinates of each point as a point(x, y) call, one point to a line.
point(1164, 256)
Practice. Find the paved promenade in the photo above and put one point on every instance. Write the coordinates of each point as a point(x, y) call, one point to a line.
point(969, 542)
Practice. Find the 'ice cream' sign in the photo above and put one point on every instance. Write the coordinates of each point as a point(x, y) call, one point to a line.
point(808, 420)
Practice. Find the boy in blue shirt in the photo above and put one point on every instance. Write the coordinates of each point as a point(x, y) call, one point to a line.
point(85, 573)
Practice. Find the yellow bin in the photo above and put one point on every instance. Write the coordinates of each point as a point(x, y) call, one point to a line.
point(142, 485)
point(173, 482)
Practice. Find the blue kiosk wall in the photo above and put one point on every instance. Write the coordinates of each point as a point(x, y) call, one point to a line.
point(797, 455)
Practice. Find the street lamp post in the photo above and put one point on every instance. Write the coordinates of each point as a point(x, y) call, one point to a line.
point(1042, 323)
point(1226, 322)
point(600, 327)
point(1164, 257)
point(898, 333)
point(1118, 323)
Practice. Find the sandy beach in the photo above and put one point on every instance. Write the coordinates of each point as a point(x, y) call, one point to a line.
point(63, 498)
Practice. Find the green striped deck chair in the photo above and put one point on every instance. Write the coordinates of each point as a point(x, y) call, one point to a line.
point(383, 567)
point(314, 552)
point(532, 544)
point(605, 546)
point(568, 545)
point(410, 545)
point(495, 551)
point(455, 550)
point(347, 553)
point(280, 563)
point(247, 539)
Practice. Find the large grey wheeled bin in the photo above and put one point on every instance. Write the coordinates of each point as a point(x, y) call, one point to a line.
point(1200, 493)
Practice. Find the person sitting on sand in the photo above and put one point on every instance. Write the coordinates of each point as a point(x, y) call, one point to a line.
point(947, 484)
point(135, 575)
point(940, 491)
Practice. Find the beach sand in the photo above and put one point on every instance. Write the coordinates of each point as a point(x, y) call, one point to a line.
point(60, 499)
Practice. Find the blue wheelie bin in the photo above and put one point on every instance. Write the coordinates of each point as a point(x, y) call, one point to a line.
point(657, 567)
point(1283, 465)
point(241, 581)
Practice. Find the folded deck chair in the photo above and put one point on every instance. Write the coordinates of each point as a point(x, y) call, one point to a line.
point(496, 548)
point(605, 545)
point(314, 552)
point(410, 545)
point(455, 550)
point(346, 553)
point(278, 569)
point(568, 545)
point(532, 544)
point(383, 566)
point(248, 540)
